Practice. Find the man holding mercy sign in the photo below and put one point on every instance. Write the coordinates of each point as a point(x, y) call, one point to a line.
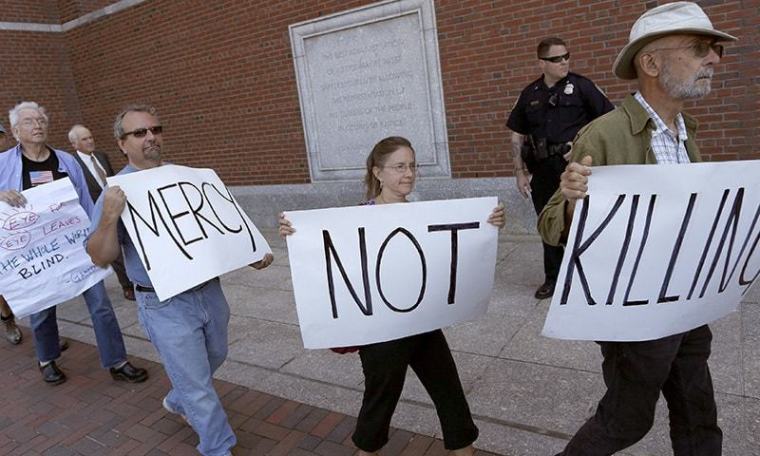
point(165, 233)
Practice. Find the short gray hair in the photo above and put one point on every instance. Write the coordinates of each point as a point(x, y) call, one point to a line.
point(73, 137)
point(13, 113)
point(118, 128)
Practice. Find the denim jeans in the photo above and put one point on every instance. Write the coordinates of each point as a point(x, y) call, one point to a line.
point(107, 331)
point(635, 373)
point(189, 331)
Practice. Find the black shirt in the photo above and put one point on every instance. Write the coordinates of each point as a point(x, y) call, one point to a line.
point(37, 173)
point(558, 112)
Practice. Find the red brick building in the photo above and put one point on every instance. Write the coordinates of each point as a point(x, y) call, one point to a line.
point(222, 76)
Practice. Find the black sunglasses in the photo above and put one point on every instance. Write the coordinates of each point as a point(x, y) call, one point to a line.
point(556, 58)
point(142, 132)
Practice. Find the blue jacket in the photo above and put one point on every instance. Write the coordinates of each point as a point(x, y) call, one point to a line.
point(10, 173)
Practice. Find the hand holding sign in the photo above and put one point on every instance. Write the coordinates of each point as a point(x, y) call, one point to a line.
point(114, 201)
point(574, 181)
point(497, 217)
point(286, 228)
point(12, 198)
point(264, 262)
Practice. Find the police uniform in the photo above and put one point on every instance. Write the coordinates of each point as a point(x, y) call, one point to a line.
point(552, 116)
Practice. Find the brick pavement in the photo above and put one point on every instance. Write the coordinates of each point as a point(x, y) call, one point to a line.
point(92, 415)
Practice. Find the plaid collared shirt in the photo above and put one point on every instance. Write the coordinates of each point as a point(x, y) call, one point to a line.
point(667, 147)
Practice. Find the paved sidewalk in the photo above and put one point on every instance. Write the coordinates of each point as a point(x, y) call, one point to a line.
point(91, 414)
point(528, 393)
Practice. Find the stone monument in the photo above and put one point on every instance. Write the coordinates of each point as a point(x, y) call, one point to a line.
point(365, 74)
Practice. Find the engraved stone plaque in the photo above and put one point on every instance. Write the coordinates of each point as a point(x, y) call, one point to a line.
point(365, 74)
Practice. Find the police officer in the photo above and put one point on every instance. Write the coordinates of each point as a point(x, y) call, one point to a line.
point(544, 121)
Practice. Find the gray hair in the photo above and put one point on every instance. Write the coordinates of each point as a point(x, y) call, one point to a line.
point(118, 128)
point(73, 137)
point(13, 113)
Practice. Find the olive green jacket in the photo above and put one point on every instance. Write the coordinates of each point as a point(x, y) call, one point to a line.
point(620, 137)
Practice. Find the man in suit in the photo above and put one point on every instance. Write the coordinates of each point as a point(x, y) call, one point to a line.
point(97, 167)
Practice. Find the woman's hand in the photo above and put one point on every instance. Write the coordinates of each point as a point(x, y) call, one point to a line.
point(286, 229)
point(497, 217)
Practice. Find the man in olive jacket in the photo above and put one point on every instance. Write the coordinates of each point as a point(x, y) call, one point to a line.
point(671, 52)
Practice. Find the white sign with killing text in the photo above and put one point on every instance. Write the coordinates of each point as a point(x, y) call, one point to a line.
point(186, 226)
point(658, 250)
point(42, 259)
point(369, 274)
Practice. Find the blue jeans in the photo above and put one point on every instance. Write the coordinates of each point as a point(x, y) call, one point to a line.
point(189, 332)
point(107, 331)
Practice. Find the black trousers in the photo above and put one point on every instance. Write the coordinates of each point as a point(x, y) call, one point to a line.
point(635, 373)
point(544, 183)
point(385, 364)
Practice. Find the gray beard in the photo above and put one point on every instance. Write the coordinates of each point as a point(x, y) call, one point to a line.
point(685, 90)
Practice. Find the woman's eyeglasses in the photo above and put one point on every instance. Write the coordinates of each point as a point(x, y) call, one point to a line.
point(400, 168)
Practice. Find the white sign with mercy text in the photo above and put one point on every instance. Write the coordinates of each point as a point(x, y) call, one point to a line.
point(186, 226)
point(369, 274)
point(658, 250)
point(42, 259)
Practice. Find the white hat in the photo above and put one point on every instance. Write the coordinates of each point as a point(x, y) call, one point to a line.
point(668, 19)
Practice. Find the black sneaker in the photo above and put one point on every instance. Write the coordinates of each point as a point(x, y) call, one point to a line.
point(129, 373)
point(546, 290)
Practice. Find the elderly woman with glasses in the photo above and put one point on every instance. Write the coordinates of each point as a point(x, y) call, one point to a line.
point(390, 178)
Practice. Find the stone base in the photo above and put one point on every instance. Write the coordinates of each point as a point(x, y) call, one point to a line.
point(264, 203)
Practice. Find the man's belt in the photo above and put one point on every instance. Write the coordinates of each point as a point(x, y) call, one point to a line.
point(143, 289)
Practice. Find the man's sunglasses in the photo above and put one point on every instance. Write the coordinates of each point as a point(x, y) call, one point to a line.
point(556, 58)
point(142, 132)
point(700, 48)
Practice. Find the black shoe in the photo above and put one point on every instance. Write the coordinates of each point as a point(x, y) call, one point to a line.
point(129, 373)
point(546, 290)
point(51, 374)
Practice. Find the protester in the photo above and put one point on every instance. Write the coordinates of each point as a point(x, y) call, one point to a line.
point(96, 168)
point(32, 162)
point(544, 121)
point(671, 52)
point(189, 330)
point(390, 178)
point(12, 332)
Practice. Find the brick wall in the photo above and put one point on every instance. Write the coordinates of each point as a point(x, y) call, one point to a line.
point(35, 66)
point(39, 11)
point(222, 76)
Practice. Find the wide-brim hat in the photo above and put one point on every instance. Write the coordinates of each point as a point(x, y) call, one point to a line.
point(668, 19)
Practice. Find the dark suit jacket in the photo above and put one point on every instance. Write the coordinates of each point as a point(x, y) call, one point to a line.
point(92, 181)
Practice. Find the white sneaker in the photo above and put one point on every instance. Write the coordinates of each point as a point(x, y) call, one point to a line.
point(169, 409)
